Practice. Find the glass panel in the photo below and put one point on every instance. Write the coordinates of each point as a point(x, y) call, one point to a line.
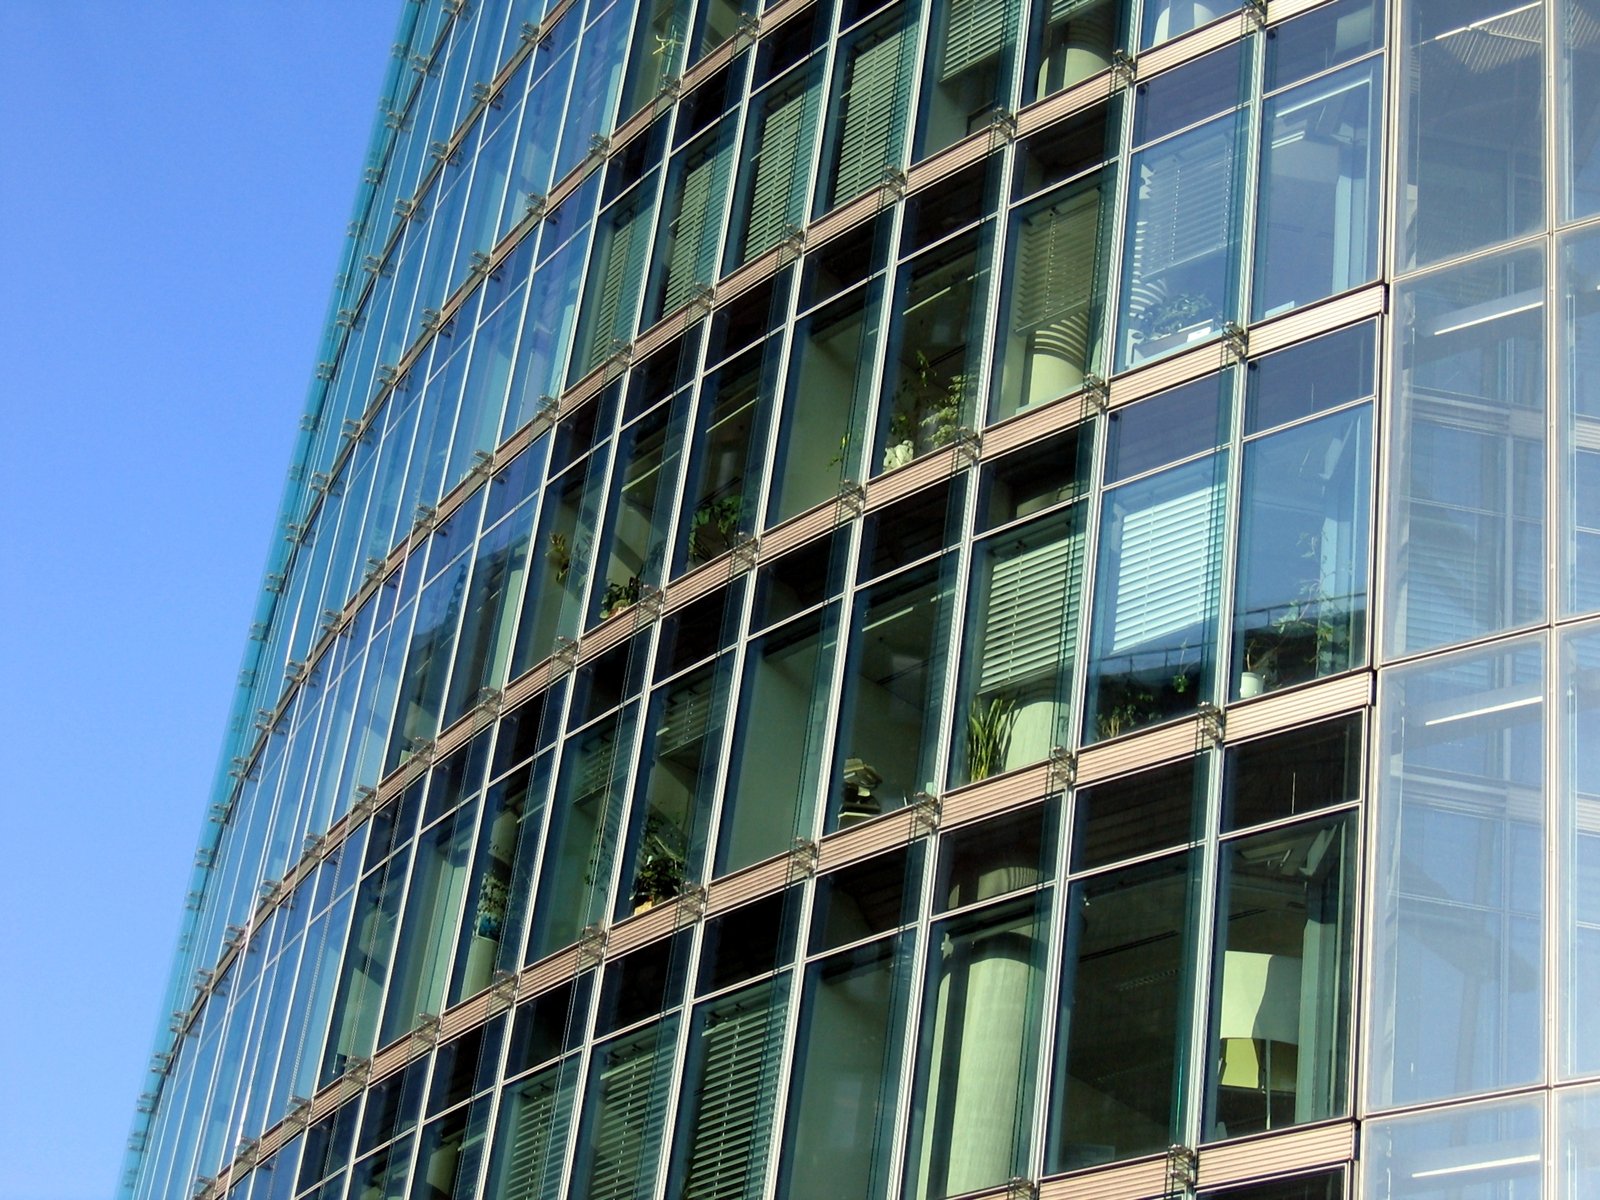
point(1313, 377)
point(1300, 603)
point(830, 379)
point(1291, 774)
point(1580, 398)
point(1052, 327)
point(1485, 1152)
point(970, 1116)
point(720, 497)
point(584, 814)
point(691, 221)
point(1180, 275)
point(1125, 991)
point(873, 96)
point(1472, 126)
point(1021, 629)
point(1280, 1020)
point(936, 338)
point(842, 1096)
point(641, 497)
point(1077, 41)
point(777, 166)
point(724, 1127)
point(889, 719)
point(527, 1159)
point(1577, 1149)
point(1165, 19)
point(672, 801)
point(870, 898)
point(1579, 878)
point(1168, 428)
point(1201, 88)
point(1138, 814)
point(1578, 29)
point(1457, 999)
point(774, 777)
point(1321, 1186)
point(1322, 39)
point(990, 858)
point(1467, 448)
point(968, 69)
point(1317, 214)
point(1154, 633)
point(625, 1117)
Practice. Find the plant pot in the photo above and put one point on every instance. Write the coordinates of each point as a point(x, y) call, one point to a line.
point(1251, 683)
point(898, 455)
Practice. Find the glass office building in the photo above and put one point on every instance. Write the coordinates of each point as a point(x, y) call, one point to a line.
point(928, 598)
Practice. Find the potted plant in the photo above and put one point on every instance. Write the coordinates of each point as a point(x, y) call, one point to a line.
point(559, 556)
point(1175, 321)
point(619, 596)
point(1125, 705)
point(661, 867)
point(989, 729)
point(490, 915)
point(714, 526)
point(926, 413)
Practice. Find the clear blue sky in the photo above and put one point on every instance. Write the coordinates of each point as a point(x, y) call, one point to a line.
point(175, 179)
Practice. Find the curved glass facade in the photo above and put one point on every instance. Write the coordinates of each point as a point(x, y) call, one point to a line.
point(926, 598)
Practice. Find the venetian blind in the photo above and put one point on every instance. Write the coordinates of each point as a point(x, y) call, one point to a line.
point(1055, 273)
point(692, 260)
point(631, 1118)
point(779, 174)
point(977, 30)
point(527, 1152)
point(1165, 567)
point(873, 113)
point(1032, 610)
point(727, 1160)
point(611, 313)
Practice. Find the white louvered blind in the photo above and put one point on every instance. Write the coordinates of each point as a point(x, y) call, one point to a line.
point(527, 1157)
point(780, 178)
point(1185, 208)
point(873, 113)
point(632, 1114)
point(695, 230)
point(1165, 566)
point(977, 31)
point(727, 1161)
point(611, 315)
point(1033, 607)
point(1055, 273)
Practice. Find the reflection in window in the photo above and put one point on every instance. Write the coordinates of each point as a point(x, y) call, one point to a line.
point(1183, 227)
point(1317, 217)
point(1157, 577)
point(889, 719)
point(1472, 126)
point(1280, 1015)
point(1021, 629)
point(871, 110)
point(1579, 962)
point(970, 1117)
point(1577, 1137)
point(1580, 394)
point(1578, 100)
point(1485, 1152)
point(726, 466)
point(847, 1059)
point(528, 1162)
point(1165, 19)
point(1466, 543)
point(1051, 333)
point(1078, 40)
point(1124, 1015)
point(1301, 593)
point(1458, 990)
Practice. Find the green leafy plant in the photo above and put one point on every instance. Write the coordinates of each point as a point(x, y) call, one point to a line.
point(925, 414)
point(491, 908)
point(1176, 312)
point(714, 526)
point(661, 867)
point(989, 730)
point(619, 596)
point(559, 556)
point(1125, 705)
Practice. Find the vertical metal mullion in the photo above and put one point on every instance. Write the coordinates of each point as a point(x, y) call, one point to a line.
point(916, 983)
point(1557, 557)
point(1249, 167)
point(1191, 1116)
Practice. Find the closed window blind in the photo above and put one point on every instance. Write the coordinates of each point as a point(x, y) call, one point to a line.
point(1185, 203)
point(872, 112)
point(695, 230)
point(1032, 610)
point(632, 1115)
point(619, 276)
point(528, 1168)
point(977, 30)
point(777, 196)
point(1166, 563)
point(1055, 274)
point(740, 1044)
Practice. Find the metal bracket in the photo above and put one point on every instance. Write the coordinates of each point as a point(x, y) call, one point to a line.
point(1096, 393)
point(1062, 771)
point(692, 905)
point(1183, 1171)
point(925, 812)
point(592, 946)
point(803, 860)
point(1235, 341)
point(503, 987)
point(426, 1034)
point(852, 501)
point(968, 445)
point(1124, 67)
point(743, 556)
